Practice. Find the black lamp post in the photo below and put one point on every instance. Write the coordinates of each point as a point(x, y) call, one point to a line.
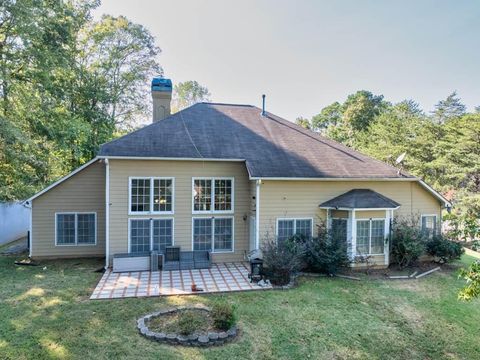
point(256, 270)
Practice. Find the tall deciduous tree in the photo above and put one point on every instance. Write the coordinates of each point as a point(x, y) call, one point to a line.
point(67, 84)
point(188, 93)
point(303, 122)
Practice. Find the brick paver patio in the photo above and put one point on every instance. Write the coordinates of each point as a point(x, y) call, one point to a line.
point(223, 277)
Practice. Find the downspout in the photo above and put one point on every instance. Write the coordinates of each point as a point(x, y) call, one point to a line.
point(107, 214)
point(354, 235)
point(257, 214)
point(28, 205)
point(388, 234)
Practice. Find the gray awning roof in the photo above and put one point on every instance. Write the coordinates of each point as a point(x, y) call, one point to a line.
point(360, 199)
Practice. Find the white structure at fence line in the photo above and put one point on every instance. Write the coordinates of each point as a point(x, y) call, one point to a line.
point(14, 221)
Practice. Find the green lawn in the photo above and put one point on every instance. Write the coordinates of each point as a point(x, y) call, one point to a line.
point(47, 314)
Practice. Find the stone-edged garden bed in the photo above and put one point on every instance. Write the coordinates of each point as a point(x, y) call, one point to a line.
point(160, 326)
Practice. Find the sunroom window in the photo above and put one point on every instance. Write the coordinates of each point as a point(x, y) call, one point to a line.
point(370, 236)
point(213, 234)
point(151, 195)
point(212, 195)
point(286, 228)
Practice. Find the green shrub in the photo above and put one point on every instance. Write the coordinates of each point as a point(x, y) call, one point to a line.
point(472, 276)
point(281, 259)
point(444, 250)
point(476, 245)
point(408, 243)
point(326, 254)
point(223, 315)
point(189, 321)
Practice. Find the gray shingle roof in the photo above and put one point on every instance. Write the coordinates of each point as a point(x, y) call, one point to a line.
point(270, 145)
point(360, 199)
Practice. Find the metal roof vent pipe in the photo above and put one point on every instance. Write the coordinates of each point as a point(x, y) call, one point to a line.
point(263, 106)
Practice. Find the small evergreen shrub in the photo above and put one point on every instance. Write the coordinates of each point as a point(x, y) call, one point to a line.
point(408, 243)
point(281, 259)
point(444, 250)
point(326, 254)
point(223, 315)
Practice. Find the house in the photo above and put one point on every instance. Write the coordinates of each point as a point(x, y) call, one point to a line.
point(224, 178)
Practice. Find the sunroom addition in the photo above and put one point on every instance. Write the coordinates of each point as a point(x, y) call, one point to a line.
point(363, 218)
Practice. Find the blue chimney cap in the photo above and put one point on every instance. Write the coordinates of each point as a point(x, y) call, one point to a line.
point(161, 84)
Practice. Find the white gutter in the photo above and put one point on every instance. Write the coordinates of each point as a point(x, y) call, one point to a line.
point(107, 214)
point(166, 158)
point(332, 179)
point(357, 209)
point(257, 214)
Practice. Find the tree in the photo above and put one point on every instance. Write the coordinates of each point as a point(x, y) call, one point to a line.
point(67, 84)
point(188, 93)
point(449, 108)
point(360, 109)
point(472, 276)
point(346, 122)
point(119, 59)
point(400, 129)
point(328, 116)
point(303, 122)
point(459, 152)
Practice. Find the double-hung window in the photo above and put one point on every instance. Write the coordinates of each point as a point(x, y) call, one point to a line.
point(213, 234)
point(286, 228)
point(212, 195)
point(429, 224)
point(370, 236)
point(150, 234)
point(75, 229)
point(151, 195)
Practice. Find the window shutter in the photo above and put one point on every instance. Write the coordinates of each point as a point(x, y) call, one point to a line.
point(424, 223)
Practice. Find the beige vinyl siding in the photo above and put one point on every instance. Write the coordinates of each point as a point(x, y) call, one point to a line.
point(370, 214)
point(182, 172)
point(83, 192)
point(300, 199)
point(339, 214)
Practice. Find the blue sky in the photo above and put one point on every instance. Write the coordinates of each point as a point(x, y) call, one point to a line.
point(305, 55)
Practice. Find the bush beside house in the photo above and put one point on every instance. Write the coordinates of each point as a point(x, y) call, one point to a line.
point(328, 253)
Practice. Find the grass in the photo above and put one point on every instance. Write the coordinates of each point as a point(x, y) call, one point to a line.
point(46, 314)
point(184, 322)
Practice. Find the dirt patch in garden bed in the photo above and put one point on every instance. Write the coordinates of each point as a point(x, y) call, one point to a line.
point(395, 270)
point(177, 322)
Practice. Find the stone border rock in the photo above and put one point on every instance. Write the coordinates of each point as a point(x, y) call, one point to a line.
point(210, 339)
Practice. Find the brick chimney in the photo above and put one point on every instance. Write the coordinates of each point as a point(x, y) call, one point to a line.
point(161, 96)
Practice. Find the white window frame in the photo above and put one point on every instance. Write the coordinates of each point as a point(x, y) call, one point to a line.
point(370, 235)
point(151, 230)
point(212, 196)
point(76, 213)
point(435, 225)
point(151, 206)
point(213, 233)
point(294, 225)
